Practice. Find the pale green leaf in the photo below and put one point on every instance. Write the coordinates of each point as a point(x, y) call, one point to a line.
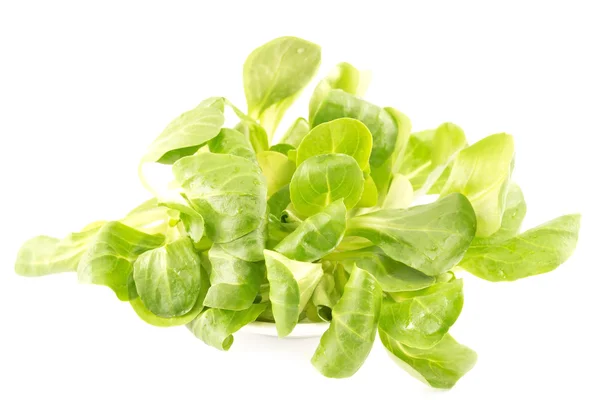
point(482, 173)
point(275, 74)
point(291, 285)
point(109, 257)
point(323, 179)
point(152, 319)
point(383, 127)
point(392, 276)
point(536, 251)
point(440, 366)
point(216, 327)
point(234, 282)
point(347, 342)
point(342, 136)
point(422, 321)
point(431, 238)
point(316, 236)
point(167, 278)
point(277, 169)
point(229, 191)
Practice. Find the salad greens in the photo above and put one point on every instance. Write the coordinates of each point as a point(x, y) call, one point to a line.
point(317, 227)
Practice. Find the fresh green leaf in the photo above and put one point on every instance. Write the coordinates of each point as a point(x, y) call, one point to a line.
point(423, 321)
point(404, 128)
point(428, 153)
point(291, 285)
point(151, 217)
point(250, 246)
point(369, 196)
point(296, 132)
point(109, 258)
point(167, 279)
point(392, 276)
point(513, 216)
point(277, 169)
point(230, 141)
point(279, 201)
point(275, 74)
point(152, 319)
point(229, 191)
point(44, 255)
point(440, 366)
point(431, 238)
point(323, 179)
point(438, 186)
point(316, 236)
point(382, 176)
point(536, 251)
point(347, 342)
point(184, 135)
point(341, 136)
point(216, 327)
point(255, 133)
point(326, 296)
point(482, 173)
point(400, 194)
point(282, 148)
point(339, 104)
point(344, 77)
point(234, 282)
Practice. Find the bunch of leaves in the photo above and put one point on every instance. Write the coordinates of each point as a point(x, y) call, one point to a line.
point(317, 227)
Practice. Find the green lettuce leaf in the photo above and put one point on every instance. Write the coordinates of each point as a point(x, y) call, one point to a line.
point(291, 285)
point(431, 238)
point(345, 346)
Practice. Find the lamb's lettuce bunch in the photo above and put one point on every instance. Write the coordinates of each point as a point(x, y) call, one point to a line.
point(318, 226)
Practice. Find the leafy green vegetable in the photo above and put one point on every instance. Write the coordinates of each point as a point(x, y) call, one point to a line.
point(255, 133)
point(482, 173)
point(440, 366)
point(282, 148)
point(109, 258)
point(317, 226)
point(230, 141)
point(536, 251)
point(400, 194)
point(152, 319)
point(275, 74)
point(512, 218)
point(423, 321)
point(326, 296)
point(291, 286)
point(216, 327)
point(186, 134)
point(392, 276)
point(323, 179)
point(345, 346)
point(44, 255)
point(167, 279)
point(229, 191)
point(277, 169)
point(431, 238)
point(295, 133)
point(234, 283)
point(340, 136)
point(339, 104)
point(250, 246)
point(370, 194)
point(344, 77)
point(428, 153)
point(316, 236)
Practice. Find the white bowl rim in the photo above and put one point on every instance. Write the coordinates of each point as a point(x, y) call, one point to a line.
point(302, 330)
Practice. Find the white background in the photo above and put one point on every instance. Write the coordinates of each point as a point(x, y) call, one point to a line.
point(85, 88)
